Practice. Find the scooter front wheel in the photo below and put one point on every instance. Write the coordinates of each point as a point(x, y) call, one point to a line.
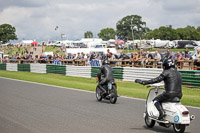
point(179, 128)
point(98, 94)
point(148, 121)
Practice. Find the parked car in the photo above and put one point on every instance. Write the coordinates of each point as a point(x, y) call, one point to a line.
point(146, 47)
point(189, 46)
point(182, 44)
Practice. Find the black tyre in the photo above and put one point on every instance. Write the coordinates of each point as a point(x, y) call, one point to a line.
point(113, 98)
point(148, 121)
point(98, 94)
point(179, 128)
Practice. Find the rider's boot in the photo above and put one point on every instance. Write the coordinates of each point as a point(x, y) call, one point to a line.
point(160, 110)
point(103, 91)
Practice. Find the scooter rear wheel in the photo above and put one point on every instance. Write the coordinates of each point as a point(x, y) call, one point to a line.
point(113, 98)
point(98, 94)
point(148, 121)
point(179, 128)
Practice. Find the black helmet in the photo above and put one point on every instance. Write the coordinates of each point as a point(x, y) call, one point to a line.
point(105, 62)
point(168, 63)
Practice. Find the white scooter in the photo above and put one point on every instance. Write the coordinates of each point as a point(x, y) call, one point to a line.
point(176, 114)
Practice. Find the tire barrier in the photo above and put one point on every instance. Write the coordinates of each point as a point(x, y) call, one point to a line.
point(11, 67)
point(23, 67)
point(117, 72)
point(191, 78)
point(3, 66)
point(132, 73)
point(56, 69)
point(38, 68)
point(78, 71)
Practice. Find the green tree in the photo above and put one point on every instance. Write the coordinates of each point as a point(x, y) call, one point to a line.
point(198, 28)
point(107, 33)
point(194, 34)
point(182, 34)
point(88, 34)
point(167, 33)
point(163, 33)
point(126, 24)
point(154, 34)
point(7, 33)
point(188, 33)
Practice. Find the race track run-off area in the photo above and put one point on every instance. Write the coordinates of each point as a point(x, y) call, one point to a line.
point(27, 107)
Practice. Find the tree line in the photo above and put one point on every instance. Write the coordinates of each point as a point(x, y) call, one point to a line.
point(133, 27)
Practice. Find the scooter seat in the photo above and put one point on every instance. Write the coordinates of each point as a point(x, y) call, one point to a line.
point(175, 99)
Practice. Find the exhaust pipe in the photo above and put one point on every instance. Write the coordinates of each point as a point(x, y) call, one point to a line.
point(192, 117)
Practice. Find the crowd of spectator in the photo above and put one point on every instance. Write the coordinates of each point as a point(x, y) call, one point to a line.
point(139, 57)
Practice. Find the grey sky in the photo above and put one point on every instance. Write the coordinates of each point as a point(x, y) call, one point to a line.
point(37, 19)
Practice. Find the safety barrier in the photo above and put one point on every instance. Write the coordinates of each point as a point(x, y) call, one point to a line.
point(2, 66)
point(78, 71)
point(141, 63)
point(56, 69)
point(11, 67)
point(38, 68)
point(23, 67)
point(132, 73)
point(117, 72)
point(191, 78)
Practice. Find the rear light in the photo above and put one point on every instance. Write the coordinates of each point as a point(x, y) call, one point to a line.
point(185, 113)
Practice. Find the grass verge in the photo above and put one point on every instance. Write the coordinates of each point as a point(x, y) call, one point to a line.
point(191, 96)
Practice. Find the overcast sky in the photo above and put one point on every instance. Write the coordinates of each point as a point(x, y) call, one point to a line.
point(37, 19)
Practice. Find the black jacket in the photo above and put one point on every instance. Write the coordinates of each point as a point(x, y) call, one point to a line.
point(172, 79)
point(107, 72)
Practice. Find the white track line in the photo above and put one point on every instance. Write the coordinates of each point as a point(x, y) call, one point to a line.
point(81, 90)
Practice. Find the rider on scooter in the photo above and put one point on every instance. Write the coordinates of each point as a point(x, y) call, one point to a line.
point(172, 80)
point(107, 72)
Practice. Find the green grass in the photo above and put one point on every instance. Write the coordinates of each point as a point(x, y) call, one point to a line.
point(53, 49)
point(191, 96)
point(12, 50)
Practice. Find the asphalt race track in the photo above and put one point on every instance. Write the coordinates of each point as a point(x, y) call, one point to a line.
point(35, 108)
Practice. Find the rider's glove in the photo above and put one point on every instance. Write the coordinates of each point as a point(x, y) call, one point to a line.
point(143, 83)
point(138, 81)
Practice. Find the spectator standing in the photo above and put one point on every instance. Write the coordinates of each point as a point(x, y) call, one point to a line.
point(197, 55)
point(157, 56)
point(121, 55)
point(187, 56)
point(197, 59)
point(177, 60)
point(92, 56)
point(148, 57)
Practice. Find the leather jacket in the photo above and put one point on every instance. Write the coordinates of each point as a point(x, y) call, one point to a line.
point(172, 79)
point(107, 72)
